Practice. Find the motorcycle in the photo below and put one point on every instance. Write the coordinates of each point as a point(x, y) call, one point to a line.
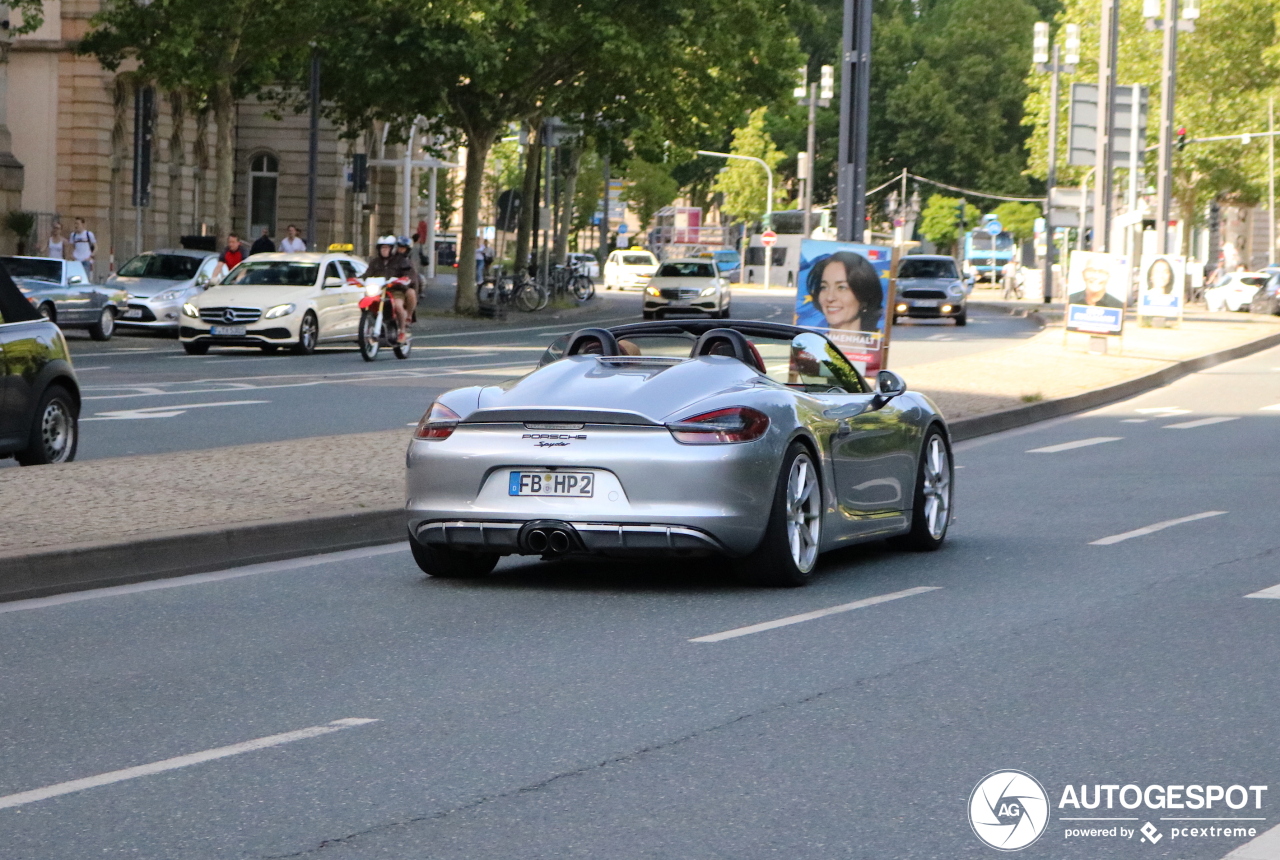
point(378, 326)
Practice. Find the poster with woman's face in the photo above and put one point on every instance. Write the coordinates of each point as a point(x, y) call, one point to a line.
point(1160, 286)
point(842, 289)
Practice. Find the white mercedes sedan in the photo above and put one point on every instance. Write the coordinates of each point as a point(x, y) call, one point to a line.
point(296, 300)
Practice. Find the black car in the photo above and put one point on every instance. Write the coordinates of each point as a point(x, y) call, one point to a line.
point(1267, 299)
point(930, 286)
point(39, 395)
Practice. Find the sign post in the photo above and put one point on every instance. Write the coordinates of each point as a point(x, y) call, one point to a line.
point(768, 238)
point(993, 228)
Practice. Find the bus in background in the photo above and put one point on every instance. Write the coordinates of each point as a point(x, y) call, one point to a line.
point(985, 255)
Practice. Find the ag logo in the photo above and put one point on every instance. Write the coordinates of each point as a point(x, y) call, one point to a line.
point(1008, 810)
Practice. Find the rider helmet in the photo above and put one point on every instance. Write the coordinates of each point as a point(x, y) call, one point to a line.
point(404, 242)
point(387, 240)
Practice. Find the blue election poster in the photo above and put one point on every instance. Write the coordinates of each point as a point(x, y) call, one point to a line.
point(842, 289)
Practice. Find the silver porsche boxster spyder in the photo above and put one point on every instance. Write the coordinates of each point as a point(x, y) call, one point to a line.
point(754, 441)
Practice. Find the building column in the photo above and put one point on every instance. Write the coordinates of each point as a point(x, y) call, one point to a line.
point(11, 176)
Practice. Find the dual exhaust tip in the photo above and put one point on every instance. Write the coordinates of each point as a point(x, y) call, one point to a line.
point(548, 538)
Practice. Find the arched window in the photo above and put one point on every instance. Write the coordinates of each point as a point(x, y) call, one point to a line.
point(264, 177)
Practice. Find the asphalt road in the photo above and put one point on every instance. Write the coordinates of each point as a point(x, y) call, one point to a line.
point(143, 394)
point(558, 710)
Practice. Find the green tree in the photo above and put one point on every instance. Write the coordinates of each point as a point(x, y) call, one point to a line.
point(745, 184)
point(1218, 93)
point(1018, 219)
point(939, 222)
point(217, 50)
point(649, 187)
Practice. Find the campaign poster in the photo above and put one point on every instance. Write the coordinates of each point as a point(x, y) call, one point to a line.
point(1097, 288)
point(842, 289)
point(1160, 286)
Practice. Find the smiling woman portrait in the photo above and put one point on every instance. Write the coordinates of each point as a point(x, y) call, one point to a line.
point(846, 288)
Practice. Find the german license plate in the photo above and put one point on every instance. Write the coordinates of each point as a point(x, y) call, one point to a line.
point(926, 303)
point(579, 485)
point(227, 331)
point(132, 314)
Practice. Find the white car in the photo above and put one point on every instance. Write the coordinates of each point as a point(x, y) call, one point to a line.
point(589, 264)
point(629, 269)
point(274, 300)
point(692, 285)
point(1235, 291)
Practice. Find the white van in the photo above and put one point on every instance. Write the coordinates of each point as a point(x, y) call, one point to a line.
point(629, 269)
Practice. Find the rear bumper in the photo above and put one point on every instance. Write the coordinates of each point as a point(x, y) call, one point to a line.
point(601, 538)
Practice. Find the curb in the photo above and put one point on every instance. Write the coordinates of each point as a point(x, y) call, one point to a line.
point(61, 570)
point(67, 569)
point(1032, 413)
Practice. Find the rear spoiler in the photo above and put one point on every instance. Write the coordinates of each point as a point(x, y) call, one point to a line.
point(527, 415)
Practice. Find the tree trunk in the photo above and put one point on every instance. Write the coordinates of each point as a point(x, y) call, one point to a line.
point(224, 154)
point(478, 144)
point(528, 193)
point(177, 158)
point(570, 189)
point(119, 104)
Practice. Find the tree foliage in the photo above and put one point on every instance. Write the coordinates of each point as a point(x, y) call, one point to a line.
point(939, 222)
point(1018, 219)
point(745, 184)
point(650, 187)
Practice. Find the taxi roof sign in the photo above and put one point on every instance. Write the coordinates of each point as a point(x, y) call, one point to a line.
point(342, 247)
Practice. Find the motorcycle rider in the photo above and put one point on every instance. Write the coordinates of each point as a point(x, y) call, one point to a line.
point(386, 263)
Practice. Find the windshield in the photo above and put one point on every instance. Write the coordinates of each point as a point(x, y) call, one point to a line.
point(687, 270)
point(723, 257)
point(166, 267)
point(910, 268)
point(638, 260)
point(807, 361)
point(35, 269)
point(275, 273)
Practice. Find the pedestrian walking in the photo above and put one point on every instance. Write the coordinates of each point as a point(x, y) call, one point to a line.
point(84, 245)
point(230, 257)
point(56, 245)
point(480, 259)
point(262, 244)
point(292, 243)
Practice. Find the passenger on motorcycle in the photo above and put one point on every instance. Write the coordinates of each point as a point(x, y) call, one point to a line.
point(386, 263)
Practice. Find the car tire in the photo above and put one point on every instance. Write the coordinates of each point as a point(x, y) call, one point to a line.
point(788, 551)
point(308, 335)
point(269, 348)
point(48, 311)
point(445, 563)
point(931, 505)
point(962, 318)
point(196, 348)
point(648, 315)
point(55, 431)
point(105, 326)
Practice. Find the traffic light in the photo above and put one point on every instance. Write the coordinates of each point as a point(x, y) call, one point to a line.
point(960, 217)
point(1181, 143)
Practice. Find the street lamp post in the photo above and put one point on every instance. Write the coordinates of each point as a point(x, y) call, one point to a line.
point(814, 96)
point(1168, 94)
point(855, 94)
point(1055, 68)
point(768, 204)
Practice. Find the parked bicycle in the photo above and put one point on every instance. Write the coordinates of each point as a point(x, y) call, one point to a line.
point(572, 280)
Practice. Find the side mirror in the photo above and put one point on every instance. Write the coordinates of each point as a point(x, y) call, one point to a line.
point(202, 280)
point(333, 282)
point(75, 279)
point(888, 386)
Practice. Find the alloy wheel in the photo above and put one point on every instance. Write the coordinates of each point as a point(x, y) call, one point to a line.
point(803, 513)
point(307, 332)
point(937, 487)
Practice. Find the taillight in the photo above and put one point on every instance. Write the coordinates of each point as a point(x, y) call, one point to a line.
point(439, 423)
point(736, 424)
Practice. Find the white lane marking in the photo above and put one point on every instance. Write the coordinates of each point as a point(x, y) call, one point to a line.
point(164, 411)
point(1079, 443)
point(130, 349)
point(1264, 847)
point(1202, 422)
point(1163, 410)
point(1275, 408)
point(87, 369)
point(1134, 421)
point(201, 578)
point(1155, 527)
point(810, 616)
point(22, 798)
point(1272, 593)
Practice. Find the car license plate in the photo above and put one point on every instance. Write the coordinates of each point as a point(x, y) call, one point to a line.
point(227, 330)
point(925, 303)
point(572, 484)
point(131, 314)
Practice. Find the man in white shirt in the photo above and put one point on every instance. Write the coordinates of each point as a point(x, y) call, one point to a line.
point(83, 245)
point(293, 243)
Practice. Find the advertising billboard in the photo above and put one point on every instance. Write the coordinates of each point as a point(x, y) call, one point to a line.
point(1160, 286)
point(1097, 288)
point(842, 290)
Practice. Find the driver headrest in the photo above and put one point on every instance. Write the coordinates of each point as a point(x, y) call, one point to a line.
point(592, 341)
point(726, 341)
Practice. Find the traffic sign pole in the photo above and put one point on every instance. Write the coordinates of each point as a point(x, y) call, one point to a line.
point(768, 238)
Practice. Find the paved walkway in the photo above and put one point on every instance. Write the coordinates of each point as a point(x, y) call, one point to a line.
point(123, 498)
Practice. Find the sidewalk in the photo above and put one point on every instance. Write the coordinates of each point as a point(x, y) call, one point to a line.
point(175, 502)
